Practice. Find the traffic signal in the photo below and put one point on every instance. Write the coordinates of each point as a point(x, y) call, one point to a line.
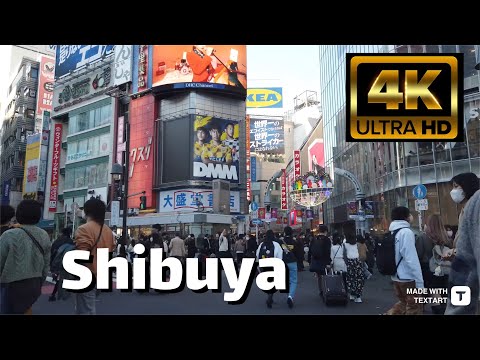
point(268, 208)
point(143, 202)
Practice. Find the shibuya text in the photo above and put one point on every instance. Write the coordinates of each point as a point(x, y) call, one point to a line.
point(272, 275)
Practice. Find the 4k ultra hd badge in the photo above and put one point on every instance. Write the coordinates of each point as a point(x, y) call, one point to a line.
point(404, 97)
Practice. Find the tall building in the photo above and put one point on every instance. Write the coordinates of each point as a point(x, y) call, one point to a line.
point(19, 122)
point(388, 171)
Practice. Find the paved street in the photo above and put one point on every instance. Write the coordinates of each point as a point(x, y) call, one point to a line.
point(378, 297)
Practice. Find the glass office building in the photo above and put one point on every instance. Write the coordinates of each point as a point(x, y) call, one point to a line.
point(388, 171)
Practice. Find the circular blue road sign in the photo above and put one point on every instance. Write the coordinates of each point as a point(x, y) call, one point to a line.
point(420, 191)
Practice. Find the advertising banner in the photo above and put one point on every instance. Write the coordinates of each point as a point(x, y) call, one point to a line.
point(142, 80)
point(296, 163)
point(264, 98)
point(283, 183)
point(122, 72)
point(200, 66)
point(186, 200)
point(57, 143)
point(45, 85)
point(75, 57)
point(316, 156)
point(369, 210)
point(267, 136)
point(247, 151)
point(216, 149)
point(274, 213)
point(32, 162)
point(261, 213)
point(352, 210)
point(309, 214)
point(82, 88)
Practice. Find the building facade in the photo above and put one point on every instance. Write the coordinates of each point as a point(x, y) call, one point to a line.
point(388, 171)
point(19, 122)
point(82, 129)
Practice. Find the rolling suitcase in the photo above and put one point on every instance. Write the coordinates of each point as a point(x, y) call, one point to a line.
point(333, 288)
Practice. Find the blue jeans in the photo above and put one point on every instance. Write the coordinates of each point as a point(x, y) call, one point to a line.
point(292, 269)
point(85, 303)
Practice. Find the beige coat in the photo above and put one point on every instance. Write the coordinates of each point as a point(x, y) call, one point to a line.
point(177, 247)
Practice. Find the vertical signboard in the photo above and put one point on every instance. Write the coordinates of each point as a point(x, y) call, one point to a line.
point(296, 163)
point(45, 85)
point(122, 68)
point(57, 143)
point(247, 154)
point(283, 183)
point(142, 67)
point(261, 213)
point(32, 158)
point(253, 169)
point(274, 213)
point(120, 142)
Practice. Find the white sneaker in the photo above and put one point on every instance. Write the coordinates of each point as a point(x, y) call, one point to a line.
point(352, 297)
point(358, 300)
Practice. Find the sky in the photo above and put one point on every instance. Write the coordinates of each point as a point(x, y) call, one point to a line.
point(295, 68)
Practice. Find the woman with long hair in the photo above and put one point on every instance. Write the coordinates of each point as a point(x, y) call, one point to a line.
point(440, 268)
point(355, 275)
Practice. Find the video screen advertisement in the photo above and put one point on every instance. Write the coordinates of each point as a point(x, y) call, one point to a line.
point(216, 149)
point(221, 67)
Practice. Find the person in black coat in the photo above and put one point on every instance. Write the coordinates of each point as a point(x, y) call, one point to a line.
point(7, 213)
point(320, 254)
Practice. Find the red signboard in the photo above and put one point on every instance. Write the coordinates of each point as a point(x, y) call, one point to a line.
point(142, 150)
point(261, 213)
point(283, 183)
point(45, 85)
point(296, 162)
point(247, 154)
point(57, 144)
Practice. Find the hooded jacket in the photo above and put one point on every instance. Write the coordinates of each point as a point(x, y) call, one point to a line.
point(409, 268)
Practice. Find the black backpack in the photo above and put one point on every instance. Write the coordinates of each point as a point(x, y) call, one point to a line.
point(267, 250)
point(386, 254)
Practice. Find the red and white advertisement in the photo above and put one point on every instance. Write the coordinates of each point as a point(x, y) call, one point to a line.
point(45, 85)
point(316, 155)
point(283, 183)
point(142, 150)
point(247, 154)
point(296, 162)
point(57, 146)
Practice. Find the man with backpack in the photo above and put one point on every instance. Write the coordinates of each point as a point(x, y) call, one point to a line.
point(320, 248)
point(397, 256)
point(267, 249)
point(60, 247)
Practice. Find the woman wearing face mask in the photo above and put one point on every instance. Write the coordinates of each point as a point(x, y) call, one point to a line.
point(464, 186)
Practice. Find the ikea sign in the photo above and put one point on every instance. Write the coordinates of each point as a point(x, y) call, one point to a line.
point(264, 98)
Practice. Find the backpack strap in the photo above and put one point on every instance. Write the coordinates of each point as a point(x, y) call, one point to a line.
point(34, 241)
point(98, 239)
point(394, 234)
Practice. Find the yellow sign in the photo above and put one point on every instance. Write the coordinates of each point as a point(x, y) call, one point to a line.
point(32, 167)
point(404, 97)
point(264, 98)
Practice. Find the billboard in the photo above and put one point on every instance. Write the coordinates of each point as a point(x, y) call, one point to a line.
point(264, 98)
point(253, 169)
point(247, 153)
point(200, 66)
point(32, 164)
point(75, 57)
point(45, 85)
point(216, 149)
point(83, 88)
point(57, 143)
point(267, 136)
point(316, 156)
point(186, 200)
point(123, 64)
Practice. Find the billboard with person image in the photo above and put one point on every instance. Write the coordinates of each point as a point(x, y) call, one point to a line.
point(216, 149)
point(200, 66)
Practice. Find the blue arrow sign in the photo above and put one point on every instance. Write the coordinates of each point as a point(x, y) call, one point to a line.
point(420, 191)
point(254, 206)
point(256, 222)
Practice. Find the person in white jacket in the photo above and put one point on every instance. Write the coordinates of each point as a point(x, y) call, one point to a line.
point(409, 272)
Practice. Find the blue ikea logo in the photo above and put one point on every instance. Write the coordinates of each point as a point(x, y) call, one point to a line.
point(264, 98)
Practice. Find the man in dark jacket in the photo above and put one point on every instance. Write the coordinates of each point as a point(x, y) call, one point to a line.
point(289, 247)
point(64, 238)
point(320, 254)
